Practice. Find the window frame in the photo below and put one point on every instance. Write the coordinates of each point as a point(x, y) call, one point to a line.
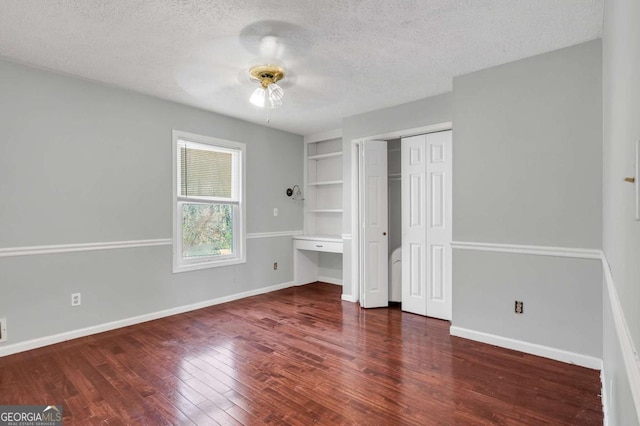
point(239, 224)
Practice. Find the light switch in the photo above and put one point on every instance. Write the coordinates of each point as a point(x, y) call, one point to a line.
point(275, 211)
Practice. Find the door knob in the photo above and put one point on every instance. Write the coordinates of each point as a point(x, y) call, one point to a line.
point(384, 233)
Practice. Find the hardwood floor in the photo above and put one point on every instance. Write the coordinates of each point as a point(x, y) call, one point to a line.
point(297, 356)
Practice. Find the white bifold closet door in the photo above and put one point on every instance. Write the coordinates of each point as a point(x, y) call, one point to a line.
point(426, 224)
point(374, 223)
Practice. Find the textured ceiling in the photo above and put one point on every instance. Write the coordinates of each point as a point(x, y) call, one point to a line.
point(343, 57)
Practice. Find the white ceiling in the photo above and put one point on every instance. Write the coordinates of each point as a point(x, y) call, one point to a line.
point(343, 57)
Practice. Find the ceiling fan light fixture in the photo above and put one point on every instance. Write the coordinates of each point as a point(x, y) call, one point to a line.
point(270, 94)
point(275, 92)
point(274, 103)
point(257, 98)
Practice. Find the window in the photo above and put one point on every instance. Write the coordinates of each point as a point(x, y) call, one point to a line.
point(208, 194)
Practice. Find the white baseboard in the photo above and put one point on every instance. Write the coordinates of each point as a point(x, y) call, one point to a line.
point(529, 348)
point(83, 332)
point(604, 398)
point(330, 280)
point(349, 298)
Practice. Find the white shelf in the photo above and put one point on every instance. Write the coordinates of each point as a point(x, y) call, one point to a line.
point(323, 156)
point(328, 182)
point(325, 211)
point(328, 238)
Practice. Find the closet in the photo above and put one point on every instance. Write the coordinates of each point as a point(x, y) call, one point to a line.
point(424, 206)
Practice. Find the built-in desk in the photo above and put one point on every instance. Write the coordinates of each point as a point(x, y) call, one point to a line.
point(328, 243)
point(305, 255)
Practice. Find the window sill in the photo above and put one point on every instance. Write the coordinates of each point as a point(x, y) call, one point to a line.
point(206, 265)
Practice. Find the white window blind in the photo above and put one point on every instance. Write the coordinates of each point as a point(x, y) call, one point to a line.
point(207, 172)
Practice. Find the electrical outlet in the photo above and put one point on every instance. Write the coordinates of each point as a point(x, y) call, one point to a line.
point(76, 299)
point(275, 266)
point(519, 307)
point(3, 329)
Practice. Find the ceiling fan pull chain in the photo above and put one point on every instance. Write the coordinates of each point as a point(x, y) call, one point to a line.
point(267, 105)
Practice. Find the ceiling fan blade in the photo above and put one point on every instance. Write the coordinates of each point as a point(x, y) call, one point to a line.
point(213, 66)
point(220, 68)
point(276, 40)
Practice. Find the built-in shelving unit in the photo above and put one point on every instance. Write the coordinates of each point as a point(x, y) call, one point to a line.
point(322, 205)
point(323, 195)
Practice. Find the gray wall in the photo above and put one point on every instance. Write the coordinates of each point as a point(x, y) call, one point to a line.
point(82, 162)
point(562, 298)
point(527, 151)
point(425, 112)
point(621, 233)
point(527, 171)
point(330, 266)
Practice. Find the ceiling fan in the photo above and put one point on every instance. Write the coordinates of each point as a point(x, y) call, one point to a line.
point(255, 69)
